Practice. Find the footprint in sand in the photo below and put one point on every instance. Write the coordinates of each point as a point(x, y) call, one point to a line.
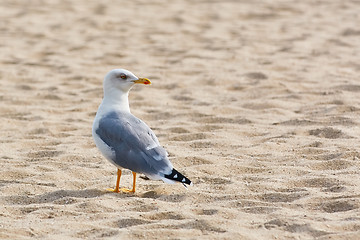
point(207, 212)
point(165, 215)
point(189, 137)
point(259, 210)
point(282, 197)
point(325, 184)
point(201, 225)
point(130, 222)
point(295, 228)
point(192, 161)
point(338, 206)
point(178, 130)
point(328, 132)
point(44, 154)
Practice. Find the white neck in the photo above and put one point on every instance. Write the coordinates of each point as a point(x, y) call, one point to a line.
point(116, 99)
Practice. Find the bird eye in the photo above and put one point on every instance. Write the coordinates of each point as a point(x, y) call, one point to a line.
point(123, 76)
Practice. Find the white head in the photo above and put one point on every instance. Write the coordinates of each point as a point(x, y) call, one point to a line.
point(121, 79)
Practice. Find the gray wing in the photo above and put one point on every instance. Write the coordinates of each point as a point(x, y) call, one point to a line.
point(136, 146)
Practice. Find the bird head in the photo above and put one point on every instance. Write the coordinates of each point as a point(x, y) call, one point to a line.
point(122, 79)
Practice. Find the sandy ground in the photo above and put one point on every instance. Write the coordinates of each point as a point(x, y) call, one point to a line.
point(257, 102)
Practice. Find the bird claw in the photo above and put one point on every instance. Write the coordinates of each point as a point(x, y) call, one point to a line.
point(124, 190)
point(112, 190)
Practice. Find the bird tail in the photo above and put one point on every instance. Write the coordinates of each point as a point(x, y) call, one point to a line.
point(176, 176)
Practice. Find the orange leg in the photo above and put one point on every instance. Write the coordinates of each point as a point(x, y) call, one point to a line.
point(117, 183)
point(134, 181)
point(134, 185)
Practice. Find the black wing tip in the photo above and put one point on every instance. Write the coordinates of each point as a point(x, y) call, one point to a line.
point(176, 176)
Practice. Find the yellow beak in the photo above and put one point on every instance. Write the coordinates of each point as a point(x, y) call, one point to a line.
point(143, 81)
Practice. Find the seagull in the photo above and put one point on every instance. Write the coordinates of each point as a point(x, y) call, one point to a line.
point(125, 140)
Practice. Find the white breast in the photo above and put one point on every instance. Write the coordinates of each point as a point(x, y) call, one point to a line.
point(107, 151)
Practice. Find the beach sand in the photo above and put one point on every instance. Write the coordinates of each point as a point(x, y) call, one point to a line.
point(257, 102)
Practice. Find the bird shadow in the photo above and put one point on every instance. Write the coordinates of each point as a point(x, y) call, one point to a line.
point(57, 197)
point(163, 197)
point(70, 196)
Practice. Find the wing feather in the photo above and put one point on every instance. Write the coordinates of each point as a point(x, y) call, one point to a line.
point(136, 146)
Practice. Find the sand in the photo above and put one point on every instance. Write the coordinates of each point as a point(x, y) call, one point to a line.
point(257, 102)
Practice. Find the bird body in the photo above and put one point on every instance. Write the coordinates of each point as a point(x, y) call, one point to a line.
point(125, 140)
